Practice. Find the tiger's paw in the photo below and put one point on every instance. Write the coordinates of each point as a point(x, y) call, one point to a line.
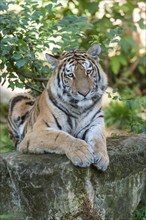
point(81, 154)
point(101, 161)
point(23, 147)
point(26, 148)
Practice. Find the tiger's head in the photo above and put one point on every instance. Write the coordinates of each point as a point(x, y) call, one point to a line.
point(78, 76)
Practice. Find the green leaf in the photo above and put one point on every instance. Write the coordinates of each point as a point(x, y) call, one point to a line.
point(16, 56)
point(115, 90)
point(141, 23)
point(115, 64)
point(141, 69)
point(144, 104)
point(19, 84)
point(49, 7)
point(3, 5)
point(20, 63)
point(115, 97)
point(123, 60)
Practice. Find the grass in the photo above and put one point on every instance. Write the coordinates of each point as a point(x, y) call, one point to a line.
point(7, 216)
point(140, 214)
point(6, 145)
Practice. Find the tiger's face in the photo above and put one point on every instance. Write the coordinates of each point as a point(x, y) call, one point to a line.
point(79, 77)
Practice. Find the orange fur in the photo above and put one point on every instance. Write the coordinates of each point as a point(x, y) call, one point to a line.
point(67, 117)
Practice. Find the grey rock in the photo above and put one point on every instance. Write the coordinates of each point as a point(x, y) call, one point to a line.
point(49, 187)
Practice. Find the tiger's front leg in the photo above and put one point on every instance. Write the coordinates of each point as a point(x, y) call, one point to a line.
point(96, 138)
point(60, 142)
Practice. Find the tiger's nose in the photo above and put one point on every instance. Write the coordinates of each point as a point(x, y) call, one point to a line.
point(84, 92)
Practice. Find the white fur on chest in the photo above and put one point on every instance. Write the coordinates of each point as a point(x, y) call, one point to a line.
point(20, 130)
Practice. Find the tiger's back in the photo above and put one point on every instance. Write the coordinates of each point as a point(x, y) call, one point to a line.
point(19, 109)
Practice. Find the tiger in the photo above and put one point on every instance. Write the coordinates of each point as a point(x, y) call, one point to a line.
point(19, 109)
point(67, 118)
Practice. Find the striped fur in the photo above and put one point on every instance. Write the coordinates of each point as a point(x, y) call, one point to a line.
point(67, 118)
point(19, 108)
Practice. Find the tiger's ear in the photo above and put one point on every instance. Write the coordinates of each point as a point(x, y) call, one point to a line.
point(94, 51)
point(52, 60)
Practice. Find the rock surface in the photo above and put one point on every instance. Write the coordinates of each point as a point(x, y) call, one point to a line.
point(49, 187)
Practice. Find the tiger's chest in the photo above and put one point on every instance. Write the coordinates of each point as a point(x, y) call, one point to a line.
point(76, 125)
point(74, 120)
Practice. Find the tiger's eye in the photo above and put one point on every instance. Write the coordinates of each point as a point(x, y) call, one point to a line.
point(69, 75)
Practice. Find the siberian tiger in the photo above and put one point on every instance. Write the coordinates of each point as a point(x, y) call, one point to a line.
point(67, 117)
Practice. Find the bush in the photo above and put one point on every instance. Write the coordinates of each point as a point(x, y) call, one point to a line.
point(26, 33)
point(29, 27)
point(126, 114)
point(140, 214)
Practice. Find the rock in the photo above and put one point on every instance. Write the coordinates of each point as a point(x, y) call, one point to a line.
point(50, 187)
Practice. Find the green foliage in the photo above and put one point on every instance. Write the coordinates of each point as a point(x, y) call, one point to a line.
point(126, 114)
point(7, 216)
point(27, 32)
point(36, 26)
point(140, 214)
point(114, 29)
point(6, 144)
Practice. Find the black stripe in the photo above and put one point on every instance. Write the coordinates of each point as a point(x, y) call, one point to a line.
point(101, 116)
point(23, 118)
point(96, 99)
point(17, 99)
point(57, 136)
point(85, 133)
point(16, 143)
point(13, 127)
point(99, 77)
point(87, 126)
point(30, 103)
point(97, 69)
point(83, 129)
point(46, 124)
point(58, 80)
point(89, 109)
point(69, 122)
point(94, 116)
point(58, 125)
point(60, 107)
point(70, 60)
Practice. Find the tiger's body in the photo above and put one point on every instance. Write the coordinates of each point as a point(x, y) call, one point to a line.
point(67, 118)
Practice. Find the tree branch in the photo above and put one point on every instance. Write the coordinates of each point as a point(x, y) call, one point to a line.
point(31, 87)
point(133, 66)
point(32, 77)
